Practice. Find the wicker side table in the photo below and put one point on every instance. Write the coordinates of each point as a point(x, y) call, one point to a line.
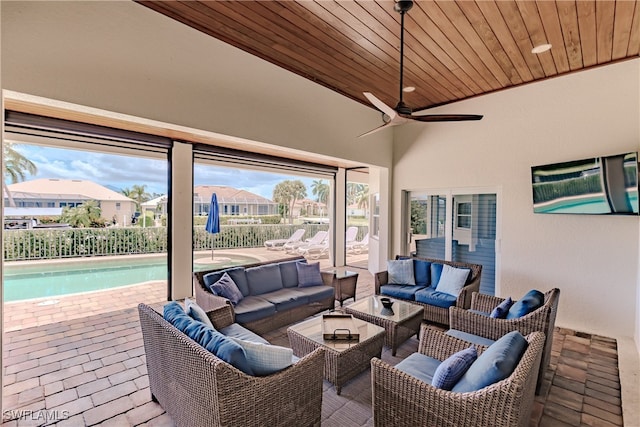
point(343, 282)
point(343, 359)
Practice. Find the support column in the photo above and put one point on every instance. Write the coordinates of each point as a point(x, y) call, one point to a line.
point(181, 222)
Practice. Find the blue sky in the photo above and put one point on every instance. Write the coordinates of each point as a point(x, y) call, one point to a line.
point(118, 172)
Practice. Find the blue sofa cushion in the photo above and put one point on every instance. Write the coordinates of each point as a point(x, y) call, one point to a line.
point(266, 359)
point(433, 297)
point(235, 330)
point(466, 336)
point(225, 349)
point(420, 366)
point(285, 299)
point(452, 280)
point(309, 275)
point(532, 300)
point(197, 312)
point(253, 308)
point(237, 274)
point(500, 312)
point(436, 271)
point(400, 291)
point(227, 288)
point(422, 272)
point(495, 364)
point(317, 293)
point(289, 273)
point(263, 279)
point(453, 368)
point(400, 272)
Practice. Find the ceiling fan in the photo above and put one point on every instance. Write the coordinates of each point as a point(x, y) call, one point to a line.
point(402, 113)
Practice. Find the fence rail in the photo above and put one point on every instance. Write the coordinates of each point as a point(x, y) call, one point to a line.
point(24, 245)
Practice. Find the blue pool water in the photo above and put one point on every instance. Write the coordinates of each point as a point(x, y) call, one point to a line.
point(55, 279)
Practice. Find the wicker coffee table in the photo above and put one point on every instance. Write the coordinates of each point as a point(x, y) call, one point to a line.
point(401, 322)
point(343, 359)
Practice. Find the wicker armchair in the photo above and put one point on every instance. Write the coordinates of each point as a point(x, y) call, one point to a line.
point(431, 312)
point(198, 389)
point(542, 319)
point(400, 399)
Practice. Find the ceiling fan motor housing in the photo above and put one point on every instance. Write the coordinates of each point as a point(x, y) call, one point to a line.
point(403, 6)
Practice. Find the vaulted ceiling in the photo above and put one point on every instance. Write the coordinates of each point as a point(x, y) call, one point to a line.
point(453, 49)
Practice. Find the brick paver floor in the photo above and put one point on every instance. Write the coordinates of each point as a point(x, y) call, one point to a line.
point(83, 363)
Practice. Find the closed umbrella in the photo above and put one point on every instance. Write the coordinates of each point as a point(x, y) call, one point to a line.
point(213, 221)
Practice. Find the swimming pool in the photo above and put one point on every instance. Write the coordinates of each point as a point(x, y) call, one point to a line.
point(52, 279)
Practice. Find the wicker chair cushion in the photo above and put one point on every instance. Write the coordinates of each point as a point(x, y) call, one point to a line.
point(452, 280)
point(433, 297)
point(466, 336)
point(253, 308)
point(436, 272)
point(400, 272)
point(453, 368)
point(175, 314)
point(495, 364)
point(500, 312)
point(196, 312)
point(236, 273)
point(266, 359)
point(263, 279)
point(289, 273)
point(309, 275)
point(227, 288)
point(235, 330)
point(317, 293)
point(400, 291)
point(530, 301)
point(422, 272)
point(419, 366)
point(285, 299)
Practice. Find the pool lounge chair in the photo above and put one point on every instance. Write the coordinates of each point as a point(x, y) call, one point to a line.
point(278, 244)
point(351, 234)
point(356, 247)
point(318, 238)
point(314, 251)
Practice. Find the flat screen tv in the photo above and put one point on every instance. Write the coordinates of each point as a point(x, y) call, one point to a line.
point(605, 185)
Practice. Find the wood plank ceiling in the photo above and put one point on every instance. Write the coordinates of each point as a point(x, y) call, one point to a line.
point(453, 49)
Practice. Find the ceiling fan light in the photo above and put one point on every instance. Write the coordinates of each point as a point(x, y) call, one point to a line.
point(408, 89)
point(541, 48)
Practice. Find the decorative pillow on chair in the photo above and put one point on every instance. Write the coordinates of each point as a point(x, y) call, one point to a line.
point(309, 274)
point(500, 312)
point(453, 368)
point(452, 280)
point(266, 359)
point(197, 312)
point(530, 301)
point(226, 287)
point(400, 272)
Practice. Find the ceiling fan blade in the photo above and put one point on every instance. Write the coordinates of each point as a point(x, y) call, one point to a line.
point(386, 125)
point(446, 117)
point(381, 105)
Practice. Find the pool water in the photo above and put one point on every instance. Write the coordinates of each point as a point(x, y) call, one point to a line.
point(56, 279)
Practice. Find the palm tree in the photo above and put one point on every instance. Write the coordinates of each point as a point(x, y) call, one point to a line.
point(288, 193)
point(86, 215)
point(321, 190)
point(138, 193)
point(16, 167)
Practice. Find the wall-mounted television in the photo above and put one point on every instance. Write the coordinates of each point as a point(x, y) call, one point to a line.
point(605, 185)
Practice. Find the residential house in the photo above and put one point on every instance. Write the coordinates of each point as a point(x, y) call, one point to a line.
point(231, 201)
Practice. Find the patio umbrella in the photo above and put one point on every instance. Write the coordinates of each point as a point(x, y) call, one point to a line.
point(213, 221)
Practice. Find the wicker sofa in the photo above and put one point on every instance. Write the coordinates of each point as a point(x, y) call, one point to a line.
point(271, 296)
point(198, 389)
point(400, 399)
point(432, 313)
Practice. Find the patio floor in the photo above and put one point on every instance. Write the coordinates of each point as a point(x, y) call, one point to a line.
point(81, 362)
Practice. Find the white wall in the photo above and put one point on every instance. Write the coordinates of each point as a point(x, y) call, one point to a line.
point(593, 260)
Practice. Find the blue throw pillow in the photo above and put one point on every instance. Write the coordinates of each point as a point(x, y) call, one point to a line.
point(309, 275)
point(500, 312)
point(453, 368)
point(226, 287)
point(436, 271)
point(496, 363)
point(226, 349)
point(400, 272)
point(530, 301)
point(422, 272)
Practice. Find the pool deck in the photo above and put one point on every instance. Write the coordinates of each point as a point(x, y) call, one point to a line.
point(81, 361)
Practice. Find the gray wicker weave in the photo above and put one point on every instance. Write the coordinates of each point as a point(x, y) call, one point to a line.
point(438, 314)
point(209, 302)
point(400, 399)
point(543, 319)
point(343, 359)
point(197, 389)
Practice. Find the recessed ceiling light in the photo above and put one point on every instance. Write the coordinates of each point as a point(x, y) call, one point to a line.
point(541, 48)
point(408, 89)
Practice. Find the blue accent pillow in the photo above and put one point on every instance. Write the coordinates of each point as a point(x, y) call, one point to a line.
point(226, 287)
point(421, 272)
point(530, 301)
point(265, 359)
point(197, 312)
point(496, 363)
point(500, 312)
point(452, 280)
point(453, 368)
point(226, 349)
point(400, 272)
point(436, 271)
point(309, 275)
